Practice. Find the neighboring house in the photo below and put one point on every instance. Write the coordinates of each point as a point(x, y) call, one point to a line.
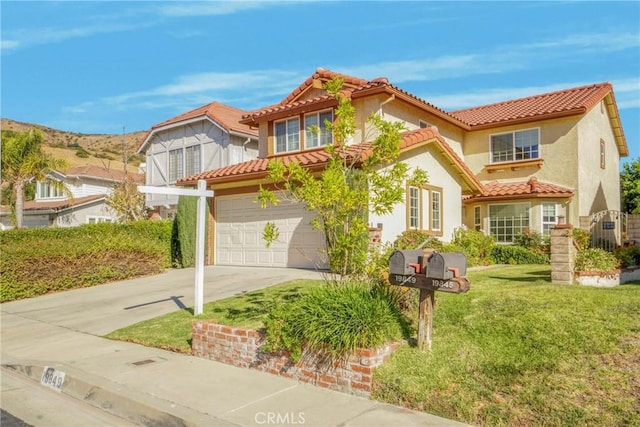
point(503, 168)
point(85, 202)
point(205, 138)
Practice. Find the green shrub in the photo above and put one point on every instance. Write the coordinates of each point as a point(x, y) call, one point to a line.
point(582, 238)
point(183, 234)
point(474, 244)
point(336, 319)
point(628, 256)
point(533, 241)
point(413, 239)
point(36, 261)
point(513, 254)
point(595, 259)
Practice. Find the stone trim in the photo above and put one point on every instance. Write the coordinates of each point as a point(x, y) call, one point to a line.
point(242, 348)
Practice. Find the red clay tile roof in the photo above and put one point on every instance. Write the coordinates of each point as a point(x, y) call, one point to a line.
point(225, 115)
point(523, 189)
point(103, 173)
point(569, 101)
point(354, 87)
point(255, 169)
point(324, 75)
point(56, 205)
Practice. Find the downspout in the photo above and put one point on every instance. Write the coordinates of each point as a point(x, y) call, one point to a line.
point(391, 98)
point(244, 145)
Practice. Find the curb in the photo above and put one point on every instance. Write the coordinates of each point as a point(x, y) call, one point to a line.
point(140, 409)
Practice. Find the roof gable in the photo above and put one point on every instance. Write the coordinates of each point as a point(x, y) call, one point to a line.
point(223, 115)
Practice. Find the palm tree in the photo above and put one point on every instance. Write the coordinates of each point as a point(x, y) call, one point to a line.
point(24, 161)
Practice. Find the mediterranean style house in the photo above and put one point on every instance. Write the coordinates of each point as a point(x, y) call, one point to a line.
point(84, 202)
point(504, 168)
point(205, 138)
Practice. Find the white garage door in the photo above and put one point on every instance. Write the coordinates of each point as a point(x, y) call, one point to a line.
point(240, 223)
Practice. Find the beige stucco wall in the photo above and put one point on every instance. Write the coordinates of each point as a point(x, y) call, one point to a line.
point(428, 159)
point(558, 148)
point(599, 188)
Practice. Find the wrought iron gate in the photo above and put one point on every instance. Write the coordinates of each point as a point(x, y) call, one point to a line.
point(608, 229)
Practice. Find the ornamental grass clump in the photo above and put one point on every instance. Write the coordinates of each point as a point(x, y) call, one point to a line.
point(336, 319)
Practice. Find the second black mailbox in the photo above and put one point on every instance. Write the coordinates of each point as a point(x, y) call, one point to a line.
point(446, 265)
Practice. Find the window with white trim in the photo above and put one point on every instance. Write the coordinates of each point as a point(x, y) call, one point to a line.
point(316, 132)
point(93, 219)
point(192, 160)
point(287, 135)
point(514, 146)
point(507, 221)
point(436, 210)
point(424, 208)
point(47, 190)
point(423, 124)
point(176, 164)
point(549, 217)
point(184, 162)
point(477, 219)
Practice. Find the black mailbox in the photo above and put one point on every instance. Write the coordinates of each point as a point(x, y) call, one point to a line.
point(403, 262)
point(446, 265)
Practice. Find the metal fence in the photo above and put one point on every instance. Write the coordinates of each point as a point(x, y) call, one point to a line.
point(608, 229)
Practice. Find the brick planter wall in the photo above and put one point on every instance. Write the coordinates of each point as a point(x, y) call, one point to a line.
point(242, 348)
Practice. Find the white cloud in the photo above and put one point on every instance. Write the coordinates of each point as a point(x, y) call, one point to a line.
point(627, 92)
point(213, 8)
point(250, 89)
point(24, 38)
point(500, 59)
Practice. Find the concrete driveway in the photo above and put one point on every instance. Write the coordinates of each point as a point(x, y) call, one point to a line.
point(99, 310)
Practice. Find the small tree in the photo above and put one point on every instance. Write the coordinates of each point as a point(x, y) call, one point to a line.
point(357, 180)
point(24, 162)
point(630, 186)
point(127, 202)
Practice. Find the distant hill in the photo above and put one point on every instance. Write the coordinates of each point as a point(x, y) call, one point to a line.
point(80, 149)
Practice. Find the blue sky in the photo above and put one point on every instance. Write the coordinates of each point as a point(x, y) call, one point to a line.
point(94, 67)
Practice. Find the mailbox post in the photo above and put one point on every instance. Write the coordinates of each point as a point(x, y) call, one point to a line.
point(428, 271)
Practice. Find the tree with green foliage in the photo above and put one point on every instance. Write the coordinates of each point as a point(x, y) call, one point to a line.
point(357, 180)
point(24, 162)
point(127, 202)
point(630, 186)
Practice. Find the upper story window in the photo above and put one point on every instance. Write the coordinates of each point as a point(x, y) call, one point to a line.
point(184, 162)
point(287, 135)
point(514, 146)
point(316, 132)
point(423, 124)
point(46, 190)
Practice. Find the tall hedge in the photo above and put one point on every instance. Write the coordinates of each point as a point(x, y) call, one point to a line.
point(36, 261)
point(183, 236)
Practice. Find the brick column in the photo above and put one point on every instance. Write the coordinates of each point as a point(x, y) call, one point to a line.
point(563, 254)
point(633, 228)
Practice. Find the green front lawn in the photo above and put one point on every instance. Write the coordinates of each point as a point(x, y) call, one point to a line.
point(514, 350)
point(173, 331)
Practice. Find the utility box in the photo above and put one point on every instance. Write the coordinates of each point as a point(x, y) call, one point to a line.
point(446, 265)
point(405, 262)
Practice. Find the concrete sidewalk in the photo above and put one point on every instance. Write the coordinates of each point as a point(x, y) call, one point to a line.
point(148, 386)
